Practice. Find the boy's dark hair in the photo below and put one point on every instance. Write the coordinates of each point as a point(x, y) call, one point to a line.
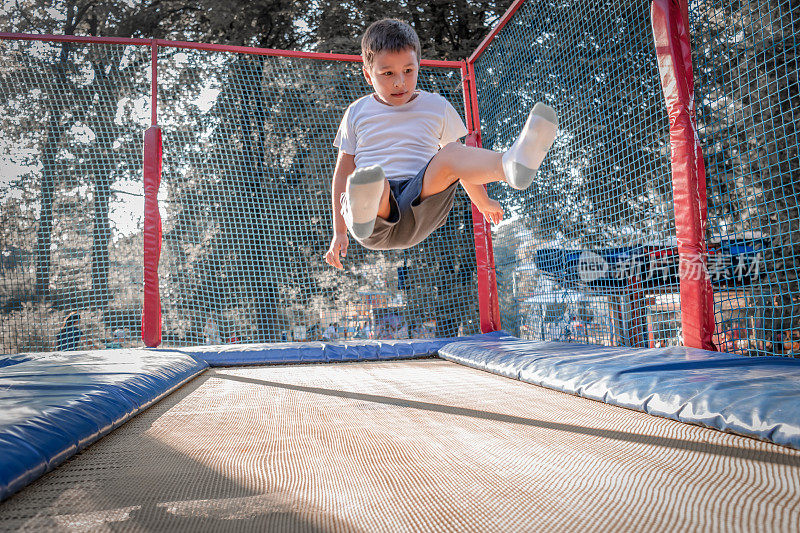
point(388, 35)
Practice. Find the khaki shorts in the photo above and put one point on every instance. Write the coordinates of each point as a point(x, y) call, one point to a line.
point(411, 219)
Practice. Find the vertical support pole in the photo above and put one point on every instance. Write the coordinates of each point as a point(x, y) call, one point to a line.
point(488, 301)
point(153, 83)
point(670, 21)
point(151, 309)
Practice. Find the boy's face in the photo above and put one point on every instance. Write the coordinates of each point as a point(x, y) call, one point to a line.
point(393, 75)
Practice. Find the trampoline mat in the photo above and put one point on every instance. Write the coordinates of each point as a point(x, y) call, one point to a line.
point(406, 446)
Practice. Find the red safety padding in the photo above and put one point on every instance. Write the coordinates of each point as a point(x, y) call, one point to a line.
point(484, 262)
point(488, 300)
point(151, 311)
point(671, 35)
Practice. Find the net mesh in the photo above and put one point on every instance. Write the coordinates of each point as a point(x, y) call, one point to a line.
point(246, 203)
point(748, 96)
point(71, 121)
point(587, 252)
point(245, 198)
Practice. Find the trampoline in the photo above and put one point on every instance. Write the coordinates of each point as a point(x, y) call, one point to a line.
point(495, 425)
point(417, 443)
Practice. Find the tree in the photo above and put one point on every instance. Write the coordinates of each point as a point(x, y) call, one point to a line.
point(447, 30)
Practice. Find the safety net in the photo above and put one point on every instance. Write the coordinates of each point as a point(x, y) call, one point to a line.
point(587, 252)
point(71, 123)
point(246, 207)
point(745, 56)
point(244, 199)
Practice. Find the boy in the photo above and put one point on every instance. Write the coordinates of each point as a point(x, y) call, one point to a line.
point(410, 137)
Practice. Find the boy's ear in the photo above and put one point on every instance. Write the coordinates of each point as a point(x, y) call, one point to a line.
point(367, 76)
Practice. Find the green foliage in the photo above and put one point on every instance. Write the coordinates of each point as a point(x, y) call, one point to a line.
point(447, 30)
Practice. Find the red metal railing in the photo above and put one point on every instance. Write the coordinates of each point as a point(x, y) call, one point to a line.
point(488, 300)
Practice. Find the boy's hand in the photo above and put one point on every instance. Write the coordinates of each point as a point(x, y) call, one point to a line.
point(492, 211)
point(338, 245)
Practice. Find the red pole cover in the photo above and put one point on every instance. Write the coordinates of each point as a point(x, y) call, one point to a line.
point(151, 311)
point(671, 35)
point(488, 301)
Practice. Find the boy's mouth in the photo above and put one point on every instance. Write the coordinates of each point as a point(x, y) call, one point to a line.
point(398, 95)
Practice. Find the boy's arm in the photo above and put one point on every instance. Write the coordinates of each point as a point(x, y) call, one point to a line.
point(491, 209)
point(476, 193)
point(345, 165)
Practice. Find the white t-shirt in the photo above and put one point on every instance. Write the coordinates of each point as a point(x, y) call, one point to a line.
point(401, 139)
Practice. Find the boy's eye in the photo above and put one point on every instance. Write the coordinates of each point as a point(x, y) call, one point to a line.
point(387, 73)
point(409, 70)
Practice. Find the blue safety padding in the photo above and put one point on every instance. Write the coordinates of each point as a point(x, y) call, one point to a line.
point(319, 352)
point(753, 396)
point(8, 360)
point(54, 405)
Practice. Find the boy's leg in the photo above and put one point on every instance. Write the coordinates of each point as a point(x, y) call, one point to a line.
point(366, 197)
point(384, 207)
point(458, 162)
point(517, 166)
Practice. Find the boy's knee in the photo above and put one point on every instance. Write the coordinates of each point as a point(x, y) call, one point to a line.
point(452, 149)
point(448, 156)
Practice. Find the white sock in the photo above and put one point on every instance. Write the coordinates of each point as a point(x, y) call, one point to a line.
point(523, 159)
point(361, 200)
